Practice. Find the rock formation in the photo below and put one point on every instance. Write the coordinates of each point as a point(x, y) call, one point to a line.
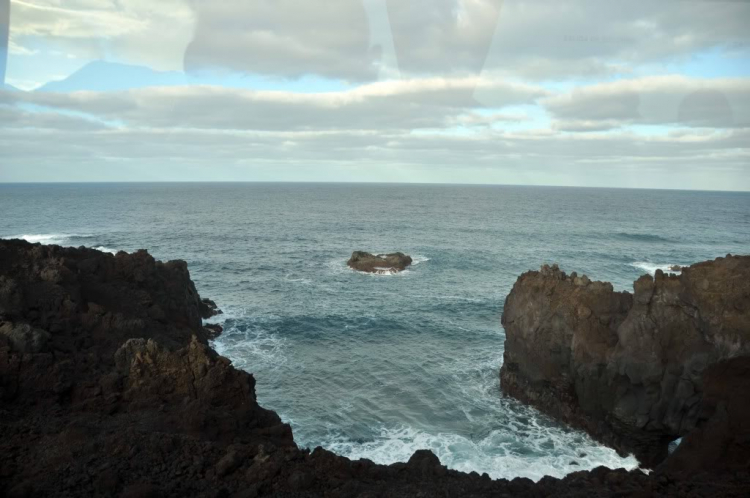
point(631, 368)
point(380, 263)
point(108, 387)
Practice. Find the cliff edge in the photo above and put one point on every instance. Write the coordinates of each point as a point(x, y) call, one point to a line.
point(639, 370)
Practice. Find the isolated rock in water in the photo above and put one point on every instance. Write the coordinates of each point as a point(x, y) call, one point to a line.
point(379, 263)
point(627, 368)
point(675, 268)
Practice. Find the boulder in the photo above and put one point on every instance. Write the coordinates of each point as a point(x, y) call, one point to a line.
point(209, 308)
point(627, 368)
point(379, 263)
point(213, 330)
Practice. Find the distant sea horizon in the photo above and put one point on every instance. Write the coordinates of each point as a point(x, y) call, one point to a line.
point(301, 182)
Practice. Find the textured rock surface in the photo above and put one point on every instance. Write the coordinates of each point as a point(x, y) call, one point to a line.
point(380, 263)
point(108, 387)
point(628, 368)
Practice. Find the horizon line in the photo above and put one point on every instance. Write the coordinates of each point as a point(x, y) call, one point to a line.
point(334, 182)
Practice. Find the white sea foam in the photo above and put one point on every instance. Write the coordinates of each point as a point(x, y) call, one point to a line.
point(252, 346)
point(497, 454)
point(417, 259)
point(384, 272)
point(255, 349)
point(58, 239)
point(651, 267)
point(105, 249)
point(49, 238)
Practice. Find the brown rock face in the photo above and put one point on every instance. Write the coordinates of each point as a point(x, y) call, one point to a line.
point(108, 387)
point(627, 368)
point(380, 263)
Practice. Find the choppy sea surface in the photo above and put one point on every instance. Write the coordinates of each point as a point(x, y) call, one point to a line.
point(378, 366)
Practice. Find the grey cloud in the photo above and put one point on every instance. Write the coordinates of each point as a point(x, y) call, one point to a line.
point(666, 100)
point(535, 39)
point(486, 149)
point(286, 38)
point(547, 39)
point(539, 39)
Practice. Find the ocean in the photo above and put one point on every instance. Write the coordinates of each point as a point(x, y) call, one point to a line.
point(378, 366)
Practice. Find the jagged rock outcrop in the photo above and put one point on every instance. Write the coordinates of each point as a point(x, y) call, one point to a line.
point(627, 368)
point(379, 263)
point(109, 387)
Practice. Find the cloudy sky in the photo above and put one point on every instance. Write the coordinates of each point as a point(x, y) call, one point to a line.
point(590, 93)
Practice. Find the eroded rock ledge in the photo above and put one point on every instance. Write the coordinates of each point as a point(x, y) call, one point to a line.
point(637, 370)
point(108, 387)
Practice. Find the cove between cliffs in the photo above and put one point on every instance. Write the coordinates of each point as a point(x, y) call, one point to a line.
point(109, 387)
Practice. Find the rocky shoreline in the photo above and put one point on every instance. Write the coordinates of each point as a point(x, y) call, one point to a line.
point(109, 387)
point(636, 371)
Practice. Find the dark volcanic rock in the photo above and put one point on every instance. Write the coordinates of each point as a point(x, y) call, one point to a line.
point(380, 263)
point(108, 387)
point(209, 308)
point(213, 331)
point(627, 368)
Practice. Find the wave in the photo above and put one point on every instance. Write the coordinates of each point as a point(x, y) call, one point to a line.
point(417, 259)
point(50, 238)
point(248, 342)
point(642, 237)
point(64, 239)
point(500, 453)
point(652, 267)
point(105, 249)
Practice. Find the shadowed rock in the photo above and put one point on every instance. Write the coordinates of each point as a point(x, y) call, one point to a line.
point(627, 368)
point(379, 263)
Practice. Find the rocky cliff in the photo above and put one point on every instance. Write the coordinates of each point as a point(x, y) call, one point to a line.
point(108, 387)
point(639, 370)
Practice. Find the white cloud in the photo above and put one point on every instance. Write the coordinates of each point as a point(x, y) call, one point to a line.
point(151, 33)
point(404, 104)
point(315, 134)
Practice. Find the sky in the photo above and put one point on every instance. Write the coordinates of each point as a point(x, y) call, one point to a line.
point(604, 93)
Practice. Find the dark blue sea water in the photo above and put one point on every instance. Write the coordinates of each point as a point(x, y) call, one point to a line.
point(379, 366)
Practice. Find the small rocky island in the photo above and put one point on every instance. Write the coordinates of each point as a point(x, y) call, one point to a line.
point(109, 387)
point(379, 263)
